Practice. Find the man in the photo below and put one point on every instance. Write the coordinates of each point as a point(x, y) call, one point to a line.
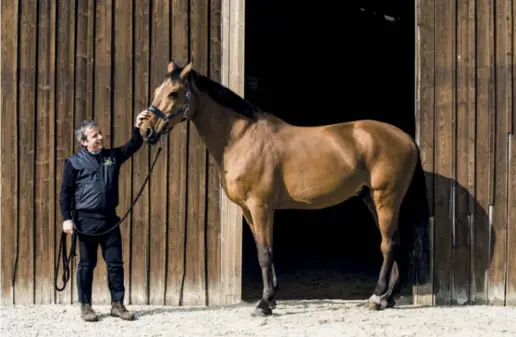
point(88, 201)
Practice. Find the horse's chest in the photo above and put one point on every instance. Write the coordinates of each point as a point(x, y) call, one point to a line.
point(240, 184)
point(236, 183)
point(247, 169)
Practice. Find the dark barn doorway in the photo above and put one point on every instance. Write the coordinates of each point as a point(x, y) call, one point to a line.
point(320, 64)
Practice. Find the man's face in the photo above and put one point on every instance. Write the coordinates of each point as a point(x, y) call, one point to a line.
point(94, 140)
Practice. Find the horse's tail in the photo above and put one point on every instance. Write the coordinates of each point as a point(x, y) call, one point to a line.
point(414, 231)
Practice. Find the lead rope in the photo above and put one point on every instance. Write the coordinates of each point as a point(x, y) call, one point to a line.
point(62, 244)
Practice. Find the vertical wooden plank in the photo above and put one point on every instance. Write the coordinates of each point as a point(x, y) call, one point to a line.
point(511, 230)
point(124, 120)
point(465, 111)
point(82, 64)
point(102, 93)
point(90, 65)
point(490, 47)
point(9, 137)
point(425, 118)
point(513, 32)
point(160, 47)
point(472, 141)
point(225, 215)
point(225, 37)
point(53, 213)
point(496, 283)
point(480, 231)
point(509, 17)
point(195, 287)
point(44, 229)
point(444, 154)
point(233, 44)
point(177, 157)
point(213, 184)
point(102, 112)
point(140, 221)
point(65, 140)
point(24, 289)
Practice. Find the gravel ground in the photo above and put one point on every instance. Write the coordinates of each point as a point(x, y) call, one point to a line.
point(310, 304)
point(294, 318)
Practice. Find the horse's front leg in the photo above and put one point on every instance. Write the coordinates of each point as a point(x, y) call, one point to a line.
point(262, 226)
point(274, 285)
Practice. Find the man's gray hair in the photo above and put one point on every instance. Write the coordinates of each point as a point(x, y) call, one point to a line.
point(80, 131)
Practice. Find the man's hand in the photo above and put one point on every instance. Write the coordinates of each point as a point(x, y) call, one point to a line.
point(68, 226)
point(141, 117)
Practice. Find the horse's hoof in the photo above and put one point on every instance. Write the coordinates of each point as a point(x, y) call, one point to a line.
point(259, 312)
point(373, 305)
point(263, 309)
point(391, 303)
point(376, 303)
point(272, 304)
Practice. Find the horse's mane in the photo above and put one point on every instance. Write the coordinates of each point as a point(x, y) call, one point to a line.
point(223, 95)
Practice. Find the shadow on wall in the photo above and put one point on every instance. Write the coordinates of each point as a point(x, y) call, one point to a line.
point(462, 250)
point(455, 261)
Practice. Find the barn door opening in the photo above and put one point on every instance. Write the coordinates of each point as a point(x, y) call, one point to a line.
point(319, 64)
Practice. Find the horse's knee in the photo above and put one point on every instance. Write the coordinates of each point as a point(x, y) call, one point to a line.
point(389, 245)
point(264, 255)
point(386, 246)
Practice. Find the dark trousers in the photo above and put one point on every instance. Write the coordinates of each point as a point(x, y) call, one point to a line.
point(111, 247)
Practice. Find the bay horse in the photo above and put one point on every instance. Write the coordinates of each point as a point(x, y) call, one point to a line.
point(266, 164)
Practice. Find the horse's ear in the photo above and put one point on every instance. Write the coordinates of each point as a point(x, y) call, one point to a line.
point(186, 70)
point(171, 66)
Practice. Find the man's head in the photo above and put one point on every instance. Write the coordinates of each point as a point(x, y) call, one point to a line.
point(89, 135)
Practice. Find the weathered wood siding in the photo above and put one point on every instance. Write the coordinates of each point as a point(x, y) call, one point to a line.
point(66, 61)
point(465, 123)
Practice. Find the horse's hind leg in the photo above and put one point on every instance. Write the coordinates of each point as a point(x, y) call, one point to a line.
point(387, 209)
point(367, 198)
point(394, 283)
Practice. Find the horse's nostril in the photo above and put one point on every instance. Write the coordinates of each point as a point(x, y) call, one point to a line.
point(148, 132)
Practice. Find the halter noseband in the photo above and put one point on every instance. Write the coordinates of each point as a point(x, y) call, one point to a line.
point(183, 110)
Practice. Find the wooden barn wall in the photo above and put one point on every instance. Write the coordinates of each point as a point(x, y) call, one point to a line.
point(66, 61)
point(466, 122)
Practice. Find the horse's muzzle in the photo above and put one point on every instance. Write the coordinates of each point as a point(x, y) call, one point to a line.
point(148, 132)
point(150, 136)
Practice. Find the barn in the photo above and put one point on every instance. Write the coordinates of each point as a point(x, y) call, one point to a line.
point(442, 70)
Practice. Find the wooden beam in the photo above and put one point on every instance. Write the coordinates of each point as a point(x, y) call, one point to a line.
point(233, 20)
point(425, 106)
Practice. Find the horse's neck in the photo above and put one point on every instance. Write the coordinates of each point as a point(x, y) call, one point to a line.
point(218, 126)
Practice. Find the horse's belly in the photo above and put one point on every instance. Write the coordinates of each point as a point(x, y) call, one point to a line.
point(323, 190)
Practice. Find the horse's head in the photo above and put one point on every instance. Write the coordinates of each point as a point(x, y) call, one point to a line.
point(170, 103)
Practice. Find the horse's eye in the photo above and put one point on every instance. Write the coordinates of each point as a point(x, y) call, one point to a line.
point(173, 94)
